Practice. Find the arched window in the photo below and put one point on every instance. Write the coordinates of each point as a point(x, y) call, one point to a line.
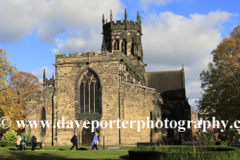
point(132, 47)
point(124, 47)
point(115, 45)
point(89, 94)
point(43, 119)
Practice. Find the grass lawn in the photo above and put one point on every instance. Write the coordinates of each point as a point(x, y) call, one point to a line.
point(61, 152)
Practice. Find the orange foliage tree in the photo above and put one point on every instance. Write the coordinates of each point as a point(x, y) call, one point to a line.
point(21, 84)
point(6, 70)
point(14, 86)
point(221, 82)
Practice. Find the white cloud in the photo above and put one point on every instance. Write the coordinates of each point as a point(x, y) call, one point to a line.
point(145, 3)
point(173, 38)
point(52, 18)
point(193, 89)
point(170, 40)
point(40, 71)
point(55, 51)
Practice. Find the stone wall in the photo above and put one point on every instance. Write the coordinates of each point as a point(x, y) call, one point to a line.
point(34, 105)
point(139, 103)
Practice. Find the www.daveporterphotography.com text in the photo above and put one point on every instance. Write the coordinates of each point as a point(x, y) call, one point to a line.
point(181, 125)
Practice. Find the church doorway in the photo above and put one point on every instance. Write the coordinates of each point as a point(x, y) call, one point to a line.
point(87, 136)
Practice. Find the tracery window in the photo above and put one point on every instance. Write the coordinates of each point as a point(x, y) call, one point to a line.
point(43, 119)
point(89, 94)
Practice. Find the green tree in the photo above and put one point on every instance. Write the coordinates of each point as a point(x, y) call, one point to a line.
point(221, 82)
point(227, 135)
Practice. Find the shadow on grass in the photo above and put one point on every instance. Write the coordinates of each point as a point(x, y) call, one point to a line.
point(26, 149)
point(82, 149)
point(13, 154)
point(126, 157)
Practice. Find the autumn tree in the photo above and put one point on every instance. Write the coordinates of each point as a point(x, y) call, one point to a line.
point(21, 84)
point(221, 82)
point(6, 70)
point(14, 86)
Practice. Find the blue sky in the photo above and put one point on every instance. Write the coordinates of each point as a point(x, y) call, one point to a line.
point(175, 32)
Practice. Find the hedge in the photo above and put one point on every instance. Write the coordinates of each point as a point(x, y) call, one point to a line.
point(185, 153)
point(7, 145)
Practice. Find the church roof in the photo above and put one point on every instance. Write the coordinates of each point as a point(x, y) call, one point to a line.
point(167, 83)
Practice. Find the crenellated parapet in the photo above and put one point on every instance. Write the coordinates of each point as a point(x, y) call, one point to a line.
point(134, 71)
point(123, 35)
point(122, 25)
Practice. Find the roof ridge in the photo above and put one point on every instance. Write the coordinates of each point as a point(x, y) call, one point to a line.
point(164, 71)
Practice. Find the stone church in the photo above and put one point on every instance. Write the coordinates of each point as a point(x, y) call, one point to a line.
point(108, 85)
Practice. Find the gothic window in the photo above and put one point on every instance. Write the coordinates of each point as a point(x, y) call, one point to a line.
point(89, 94)
point(123, 47)
point(115, 45)
point(133, 46)
point(43, 119)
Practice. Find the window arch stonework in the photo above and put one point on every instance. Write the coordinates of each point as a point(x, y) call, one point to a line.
point(90, 94)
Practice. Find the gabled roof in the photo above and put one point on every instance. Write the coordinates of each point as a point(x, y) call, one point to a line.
point(170, 84)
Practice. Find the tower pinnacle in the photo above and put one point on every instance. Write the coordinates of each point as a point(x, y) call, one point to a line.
point(138, 16)
point(111, 15)
point(125, 14)
point(103, 45)
point(103, 21)
point(44, 76)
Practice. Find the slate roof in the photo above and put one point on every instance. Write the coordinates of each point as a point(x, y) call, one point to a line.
point(167, 83)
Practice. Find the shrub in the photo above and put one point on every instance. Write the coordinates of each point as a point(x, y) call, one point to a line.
point(26, 136)
point(7, 144)
point(9, 137)
point(206, 137)
point(227, 135)
point(177, 153)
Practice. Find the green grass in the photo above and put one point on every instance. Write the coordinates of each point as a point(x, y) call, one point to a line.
point(60, 152)
point(128, 147)
point(63, 147)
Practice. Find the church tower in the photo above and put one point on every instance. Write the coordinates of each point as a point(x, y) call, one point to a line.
point(124, 36)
